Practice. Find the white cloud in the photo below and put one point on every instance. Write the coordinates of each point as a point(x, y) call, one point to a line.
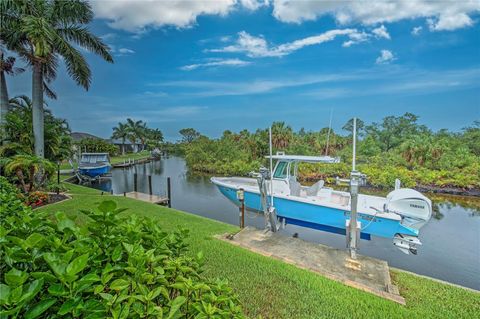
point(254, 86)
point(381, 32)
point(108, 36)
point(125, 51)
point(136, 16)
point(253, 4)
point(256, 47)
point(447, 15)
point(392, 80)
point(386, 56)
point(216, 62)
point(417, 30)
point(449, 22)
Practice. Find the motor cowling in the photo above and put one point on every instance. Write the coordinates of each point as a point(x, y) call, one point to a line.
point(415, 208)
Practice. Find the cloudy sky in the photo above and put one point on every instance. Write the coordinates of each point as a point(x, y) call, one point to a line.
point(234, 64)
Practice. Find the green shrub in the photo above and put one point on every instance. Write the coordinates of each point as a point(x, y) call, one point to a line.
point(96, 145)
point(106, 267)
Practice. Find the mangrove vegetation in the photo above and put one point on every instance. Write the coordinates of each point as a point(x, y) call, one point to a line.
point(397, 147)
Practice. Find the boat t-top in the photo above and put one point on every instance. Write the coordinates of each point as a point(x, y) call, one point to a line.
point(94, 164)
point(399, 216)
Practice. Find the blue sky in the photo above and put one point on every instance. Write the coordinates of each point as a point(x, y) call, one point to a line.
point(228, 64)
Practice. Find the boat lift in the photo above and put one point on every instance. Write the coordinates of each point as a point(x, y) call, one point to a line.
point(356, 180)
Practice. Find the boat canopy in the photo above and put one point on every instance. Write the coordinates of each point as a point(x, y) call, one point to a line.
point(304, 158)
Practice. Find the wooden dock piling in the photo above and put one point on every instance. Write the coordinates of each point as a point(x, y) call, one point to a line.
point(135, 182)
point(169, 193)
point(150, 191)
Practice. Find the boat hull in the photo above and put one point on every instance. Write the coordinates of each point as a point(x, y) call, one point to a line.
point(94, 171)
point(321, 217)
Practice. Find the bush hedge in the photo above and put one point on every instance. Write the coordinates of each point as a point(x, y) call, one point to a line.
point(105, 267)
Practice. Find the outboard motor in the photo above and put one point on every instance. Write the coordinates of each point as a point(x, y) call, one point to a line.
point(415, 210)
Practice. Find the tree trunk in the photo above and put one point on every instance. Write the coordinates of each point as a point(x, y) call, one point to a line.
point(21, 179)
point(37, 109)
point(123, 146)
point(4, 105)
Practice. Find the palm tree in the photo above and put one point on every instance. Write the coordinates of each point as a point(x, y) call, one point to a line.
point(29, 165)
point(154, 137)
point(18, 131)
point(282, 135)
point(144, 130)
point(43, 31)
point(121, 132)
point(135, 129)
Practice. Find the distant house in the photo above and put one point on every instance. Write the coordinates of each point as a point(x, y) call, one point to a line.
point(129, 146)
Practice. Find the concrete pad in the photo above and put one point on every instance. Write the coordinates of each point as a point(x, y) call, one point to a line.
point(365, 273)
point(153, 199)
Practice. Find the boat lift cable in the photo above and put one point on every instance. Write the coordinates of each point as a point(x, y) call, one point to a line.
point(373, 218)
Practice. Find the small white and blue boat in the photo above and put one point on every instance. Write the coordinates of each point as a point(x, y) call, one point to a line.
point(398, 216)
point(94, 164)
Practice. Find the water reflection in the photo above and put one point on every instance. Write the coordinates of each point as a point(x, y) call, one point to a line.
point(451, 240)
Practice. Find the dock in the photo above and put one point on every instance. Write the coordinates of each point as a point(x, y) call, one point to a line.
point(132, 162)
point(365, 273)
point(153, 199)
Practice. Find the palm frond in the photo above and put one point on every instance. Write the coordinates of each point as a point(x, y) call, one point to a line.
point(82, 37)
point(48, 91)
point(21, 101)
point(71, 12)
point(77, 66)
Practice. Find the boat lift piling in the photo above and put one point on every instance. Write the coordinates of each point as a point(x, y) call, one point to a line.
point(354, 184)
point(241, 199)
point(270, 209)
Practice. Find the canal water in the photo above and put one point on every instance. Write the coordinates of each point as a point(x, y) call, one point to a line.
point(451, 240)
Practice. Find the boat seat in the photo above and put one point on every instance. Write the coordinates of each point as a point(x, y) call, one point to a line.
point(315, 188)
point(340, 199)
point(295, 187)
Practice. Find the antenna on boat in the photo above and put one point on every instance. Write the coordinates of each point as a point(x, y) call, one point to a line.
point(271, 164)
point(329, 130)
point(354, 143)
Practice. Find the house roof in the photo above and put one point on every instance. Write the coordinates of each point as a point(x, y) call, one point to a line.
point(117, 141)
point(78, 136)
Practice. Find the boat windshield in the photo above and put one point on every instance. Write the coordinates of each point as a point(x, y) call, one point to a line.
point(94, 158)
point(281, 170)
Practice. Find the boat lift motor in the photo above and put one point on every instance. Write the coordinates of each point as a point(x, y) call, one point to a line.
point(269, 211)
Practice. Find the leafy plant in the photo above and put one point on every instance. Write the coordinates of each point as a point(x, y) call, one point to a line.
point(36, 199)
point(106, 267)
point(31, 172)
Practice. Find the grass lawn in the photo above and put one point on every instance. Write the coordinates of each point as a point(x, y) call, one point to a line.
point(272, 289)
point(116, 159)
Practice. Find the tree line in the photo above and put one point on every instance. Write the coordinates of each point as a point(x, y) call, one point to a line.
point(398, 146)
